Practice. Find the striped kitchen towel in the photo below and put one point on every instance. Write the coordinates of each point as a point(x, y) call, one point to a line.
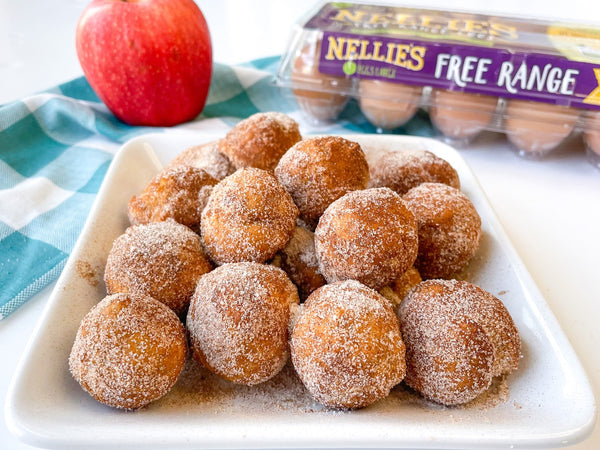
point(56, 146)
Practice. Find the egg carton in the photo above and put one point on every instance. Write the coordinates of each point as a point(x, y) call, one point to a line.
point(538, 82)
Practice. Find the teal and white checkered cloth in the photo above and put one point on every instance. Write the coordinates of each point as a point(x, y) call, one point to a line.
point(56, 146)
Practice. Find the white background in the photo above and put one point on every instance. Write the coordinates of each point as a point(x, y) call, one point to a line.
point(550, 209)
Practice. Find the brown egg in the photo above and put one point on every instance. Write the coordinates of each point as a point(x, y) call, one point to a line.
point(591, 134)
point(460, 115)
point(388, 105)
point(535, 128)
point(322, 97)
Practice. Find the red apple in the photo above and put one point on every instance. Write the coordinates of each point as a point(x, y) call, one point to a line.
point(149, 61)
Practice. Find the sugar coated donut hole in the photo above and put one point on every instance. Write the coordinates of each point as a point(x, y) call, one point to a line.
point(449, 229)
point(260, 140)
point(179, 193)
point(299, 260)
point(207, 157)
point(346, 346)
point(249, 217)
point(458, 337)
point(129, 351)
point(163, 260)
point(401, 286)
point(401, 170)
point(319, 170)
point(461, 115)
point(322, 97)
point(388, 105)
point(238, 321)
point(369, 236)
point(535, 128)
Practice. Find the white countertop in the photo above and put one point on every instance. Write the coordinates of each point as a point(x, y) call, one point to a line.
point(550, 209)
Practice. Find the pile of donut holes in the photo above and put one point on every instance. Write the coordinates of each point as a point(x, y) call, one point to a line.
point(265, 245)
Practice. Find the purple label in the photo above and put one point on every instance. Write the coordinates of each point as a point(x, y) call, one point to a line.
point(436, 25)
point(476, 69)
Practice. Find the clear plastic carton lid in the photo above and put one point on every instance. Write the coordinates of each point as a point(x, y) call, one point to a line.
point(339, 43)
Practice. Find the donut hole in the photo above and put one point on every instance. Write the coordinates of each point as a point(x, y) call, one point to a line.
point(346, 346)
point(238, 321)
point(129, 351)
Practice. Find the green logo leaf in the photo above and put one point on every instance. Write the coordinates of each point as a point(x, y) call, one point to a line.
point(349, 67)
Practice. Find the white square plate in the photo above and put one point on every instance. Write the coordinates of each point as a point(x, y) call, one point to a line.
point(547, 402)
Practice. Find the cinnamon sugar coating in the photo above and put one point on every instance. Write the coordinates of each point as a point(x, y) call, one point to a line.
point(260, 140)
point(129, 351)
point(206, 157)
point(299, 260)
point(405, 282)
point(318, 171)
point(369, 236)
point(238, 321)
point(163, 260)
point(401, 286)
point(346, 346)
point(404, 169)
point(458, 337)
point(249, 217)
point(179, 193)
point(449, 229)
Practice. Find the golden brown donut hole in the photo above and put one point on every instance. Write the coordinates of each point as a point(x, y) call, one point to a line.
point(299, 260)
point(317, 171)
point(206, 157)
point(260, 140)
point(346, 345)
point(458, 337)
point(129, 351)
point(238, 321)
point(403, 170)
point(179, 193)
point(449, 229)
point(369, 236)
point(401, 286)
point(163, 260)
point(249, 217)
